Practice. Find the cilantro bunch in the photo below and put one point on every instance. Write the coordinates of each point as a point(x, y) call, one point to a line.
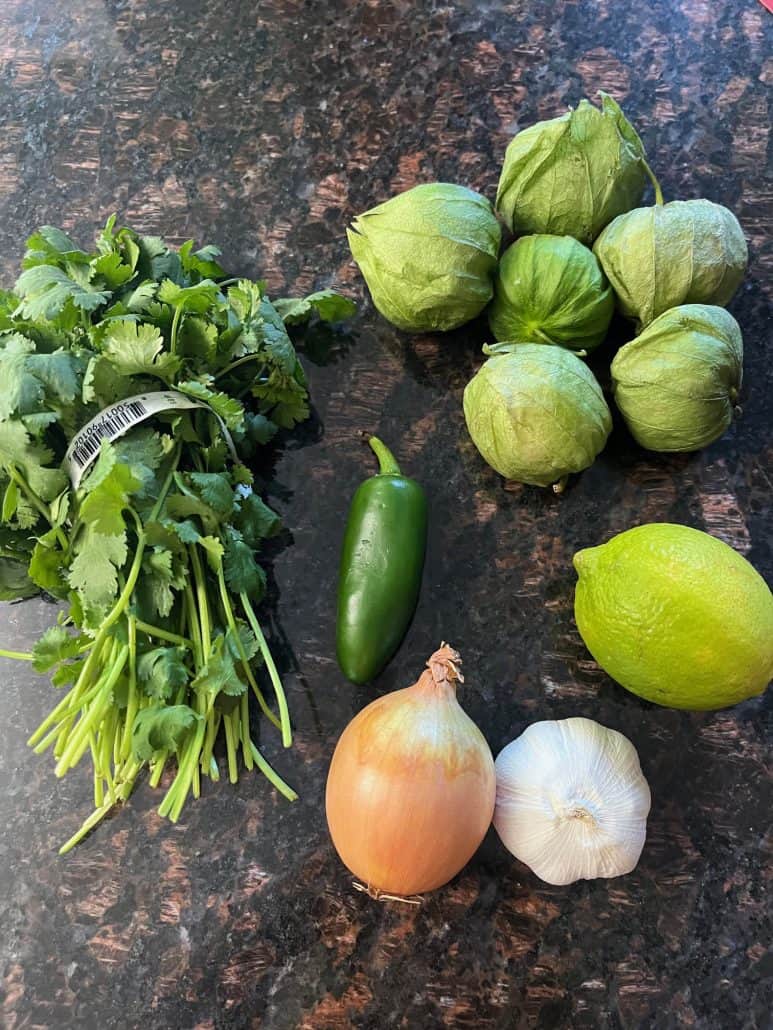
point(158, 649)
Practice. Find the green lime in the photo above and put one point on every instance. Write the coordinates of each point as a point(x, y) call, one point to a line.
point(676, 616)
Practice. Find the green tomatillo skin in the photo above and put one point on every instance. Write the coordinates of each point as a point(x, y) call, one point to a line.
point(428, 256)
point(573, 174)
point(677, 383)
point(536, 413)
point(683, 252)
point(381, 567)
point(550, 289)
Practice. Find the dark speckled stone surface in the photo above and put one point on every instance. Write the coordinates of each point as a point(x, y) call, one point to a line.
point(264, 127)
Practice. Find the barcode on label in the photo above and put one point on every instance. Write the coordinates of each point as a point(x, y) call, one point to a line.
point(119, 418)
point(112, 423)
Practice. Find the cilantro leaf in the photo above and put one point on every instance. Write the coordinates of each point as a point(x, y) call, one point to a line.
point(112, 270)
point(162, 574)
point(45, 289)
point(59, 373)
point(198, 298)
point(215, 490)
point(329, 306)
point(183, 505)
point(244, 299)
point(284, 399)
point(144, 451)
point(22, 391)
point(228, 408)
point(278, 344)
point(219, 675)
point(161, 728)
point(50, 245)
point(103, 384)
point(141, 297)
point(213, 549)
point(24, 514)
point(185, 531)
point(47, 565)
point(10, 501)
point(93, 572)
point(135, 349)
point(197, 340)
point(67, 673)
point(201, 262)
point(56, 645)
point(256, 521)
point(108, 488)
point(259, 429)
point(242, 572)
point(157, 261)
point(246, 642)
point(18, 451)
point(162, 671)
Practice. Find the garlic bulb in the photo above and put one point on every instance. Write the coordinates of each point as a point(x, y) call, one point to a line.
point(572, 802)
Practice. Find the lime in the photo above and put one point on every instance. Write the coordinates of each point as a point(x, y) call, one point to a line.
point(676, 616)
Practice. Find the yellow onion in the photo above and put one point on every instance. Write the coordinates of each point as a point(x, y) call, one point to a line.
point(411, 788)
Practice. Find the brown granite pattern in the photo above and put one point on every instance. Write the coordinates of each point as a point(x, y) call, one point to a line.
point(264, 127)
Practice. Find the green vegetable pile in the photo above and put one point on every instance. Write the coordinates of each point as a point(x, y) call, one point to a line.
point(158, 650)
point(569, 184)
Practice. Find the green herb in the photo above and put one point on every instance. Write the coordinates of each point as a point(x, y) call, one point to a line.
point(156, 553)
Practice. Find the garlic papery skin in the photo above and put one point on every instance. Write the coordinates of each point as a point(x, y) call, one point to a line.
point(572, 802)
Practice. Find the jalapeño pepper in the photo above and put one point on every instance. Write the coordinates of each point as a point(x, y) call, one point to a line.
point(381, 566)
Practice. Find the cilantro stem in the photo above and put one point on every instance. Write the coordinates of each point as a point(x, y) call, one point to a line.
point(120, 605)
point(242, 361)
point(272, 776)
point(41, 745)
point(213, 725)
point(38, 505)
point(163, 634)
point(96, 816)
point(196, 780)
point(178, 311)
point(157, 771)
point(194, 629)
point(174, 799)
point(284, 714)
point(123, 600)
point(229, 616)
point(21, 656)
point(96, 711)
point(131, 703)
point(201, 597)
point(124, 779)
point(228, 723)
point(116, 734)
point(106, 748)
point(245, 731)
point(69, 703)
point(99, 793)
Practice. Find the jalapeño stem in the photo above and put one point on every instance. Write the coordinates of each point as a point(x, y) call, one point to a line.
point(387, 464)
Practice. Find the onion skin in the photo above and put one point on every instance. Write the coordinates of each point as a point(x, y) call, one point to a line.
point(411, 788)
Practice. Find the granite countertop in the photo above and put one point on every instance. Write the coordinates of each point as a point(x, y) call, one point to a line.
point(264, 128)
